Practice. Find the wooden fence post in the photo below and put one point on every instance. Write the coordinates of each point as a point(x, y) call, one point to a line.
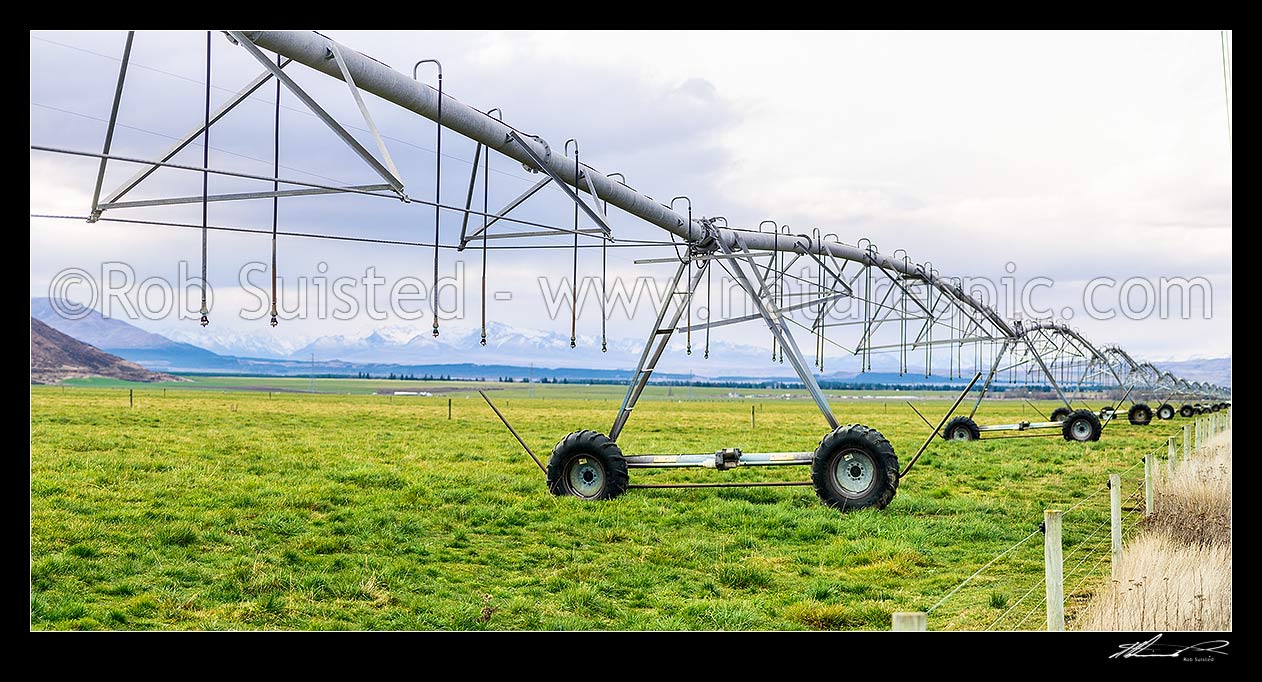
point(449, 408)
point(131, 402)
point(1053, 570)
point(1187, 441)
point(910, 621)
point(1149, 471)
point(1172, 454)
point(1115, 517)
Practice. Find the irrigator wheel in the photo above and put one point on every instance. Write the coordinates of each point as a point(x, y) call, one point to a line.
point(961, 428)
point(1165, 411)
point(1081, 426)
point(1139, 414)
point(1215, 407)
point(1186, 410)
point(855, 467)
point(587, 465)
point(1059, 414)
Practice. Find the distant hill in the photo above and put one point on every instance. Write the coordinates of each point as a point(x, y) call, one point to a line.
point(1212, 370)
point(131, 342)
point(56, 356)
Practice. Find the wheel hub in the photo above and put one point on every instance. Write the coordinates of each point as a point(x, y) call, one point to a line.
point(854, 472)
point(1081, 429)
point(586, 477)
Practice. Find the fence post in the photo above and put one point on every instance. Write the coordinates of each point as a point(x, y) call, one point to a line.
point(753, 421)
point(1172, 454)
point(1187, 442)
point(1115, 518)
point(449, 408)
point(130, 400)
point(1149, 474)
point(910, 621)
point(1053, 567)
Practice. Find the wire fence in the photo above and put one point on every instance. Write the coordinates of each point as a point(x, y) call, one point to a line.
point(984, 600)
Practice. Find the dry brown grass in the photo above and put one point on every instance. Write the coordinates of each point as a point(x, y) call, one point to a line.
point(1164, 584)
point(1176, 573)
point(1193, 506)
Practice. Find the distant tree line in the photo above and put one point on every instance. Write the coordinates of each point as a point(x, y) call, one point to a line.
point(1019, 390)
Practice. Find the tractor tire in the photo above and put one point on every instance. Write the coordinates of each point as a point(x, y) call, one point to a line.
point(1139, 414)
point(1186, 411)
point(1165, 411)
point(961, 428)
point(854, 468)
point(1215, 407)
point(1082, 426)
point(587, 465)
point(1059, 414)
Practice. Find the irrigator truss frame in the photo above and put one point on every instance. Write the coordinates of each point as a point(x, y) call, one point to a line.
point(917, 299)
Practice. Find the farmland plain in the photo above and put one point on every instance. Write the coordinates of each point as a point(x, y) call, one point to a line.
point(227, 508)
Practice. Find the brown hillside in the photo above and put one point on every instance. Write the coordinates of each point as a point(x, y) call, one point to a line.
point(56, 356)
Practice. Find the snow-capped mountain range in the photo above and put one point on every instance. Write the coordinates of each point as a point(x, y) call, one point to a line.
point(195, 349)
point(506, 345)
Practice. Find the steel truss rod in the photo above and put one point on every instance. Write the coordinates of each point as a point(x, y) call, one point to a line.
point(755, 316)
point(938, 428)
point(543, 166)
point(109, 130)
point(538, 233)
point(658, 339)
point(468, 200)
point(838, 275)
point(870, 329)
point(193, 134)
point(303, 183)
point(935, 342)
point(338, 237)
point(242, 196)
point(386, 173)
point(1046, 372)
point(776, 323)
point(811, 330)
point(711, 256)
point(750, 484)
point(363, 110)
point(994, 368)
point(518, 201)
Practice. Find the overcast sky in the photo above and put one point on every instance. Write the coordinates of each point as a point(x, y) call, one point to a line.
point(1069, 155)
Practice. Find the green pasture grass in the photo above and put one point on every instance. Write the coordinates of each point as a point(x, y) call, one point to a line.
point(239, 510)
